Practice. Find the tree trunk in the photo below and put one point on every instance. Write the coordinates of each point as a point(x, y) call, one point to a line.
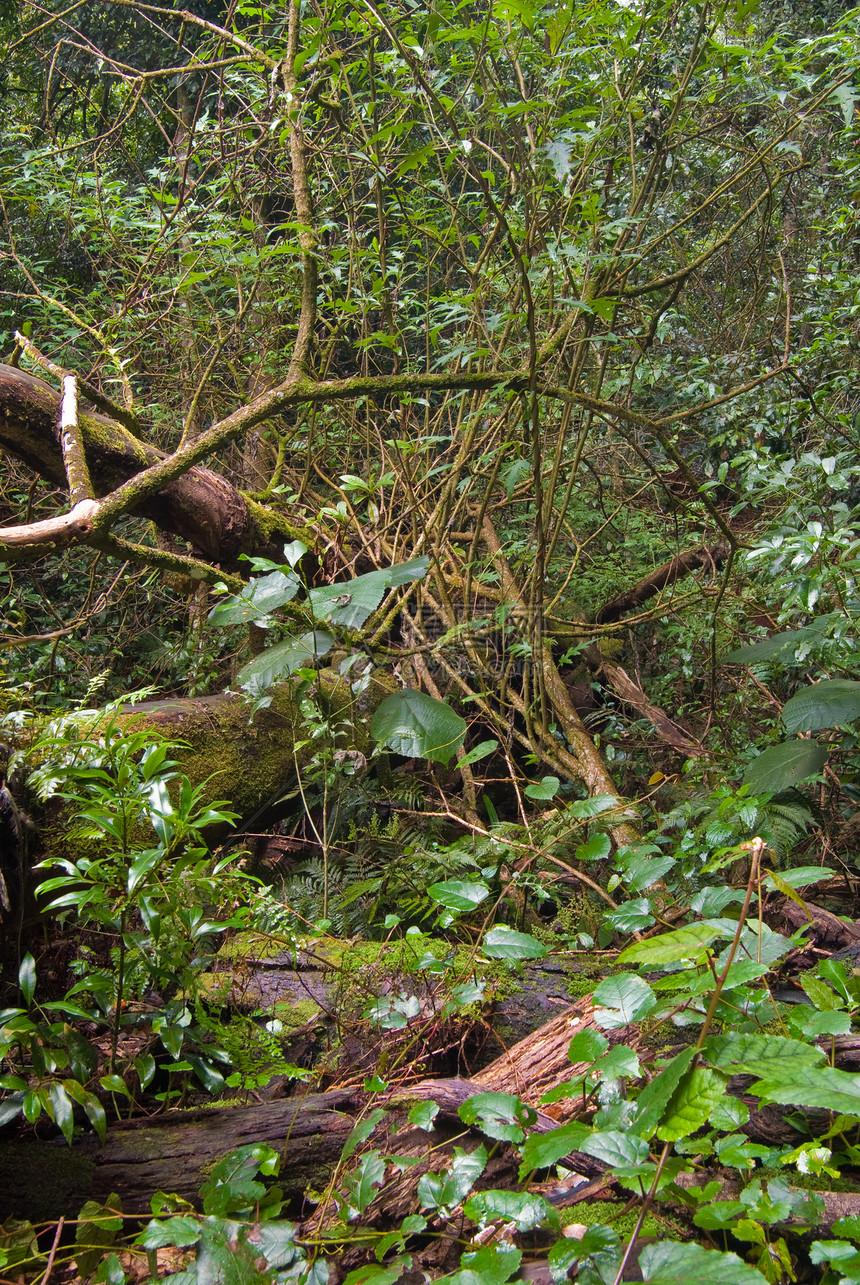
point(200, 507)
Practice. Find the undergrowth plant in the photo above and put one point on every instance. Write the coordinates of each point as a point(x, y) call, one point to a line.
point(138, 876)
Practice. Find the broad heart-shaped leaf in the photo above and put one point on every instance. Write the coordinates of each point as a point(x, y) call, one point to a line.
point(505, 943)
point(673, 1263)
point(823, 1087)
point(830, 703)
point(624, 998)
point(418, 726)
point(783, 766)
point(284, 658)
point(459, 894)
point(257, 600)
point(546, 788)
point(691, 1104)
point(683, 943)
point(349, 603)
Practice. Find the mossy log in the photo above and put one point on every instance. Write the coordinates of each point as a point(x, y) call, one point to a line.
point(201, 506)
point(174, 1152)
point(249, 761)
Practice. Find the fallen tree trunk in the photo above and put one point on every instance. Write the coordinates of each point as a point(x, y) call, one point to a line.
point(173, 1152)
point(200, 506)
point(713, 555)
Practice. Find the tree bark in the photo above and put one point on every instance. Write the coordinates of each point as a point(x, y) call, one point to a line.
point(200, 507)
point(713, 555)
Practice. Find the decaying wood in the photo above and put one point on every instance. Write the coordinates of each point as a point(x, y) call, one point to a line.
point(632, 694)
point(173, 1152)
point(201, 506)
point(712, 555)
point(829, 929)
point(539, 1062)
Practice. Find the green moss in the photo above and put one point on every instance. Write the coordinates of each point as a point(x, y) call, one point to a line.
point(295, 1013)
point(614, 1213)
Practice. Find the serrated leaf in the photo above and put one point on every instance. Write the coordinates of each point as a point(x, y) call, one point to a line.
point(631, 916)
point(673, 1263)
point(622, 999)
point(684, 943)
point(824, 999)
point(542, 1150)
point(761, 1054)
point(691, 1104)
point(490, 1265)
point(783, 766)
point(500, 1115)
point(655, 1097)
point(616, 1148)
point(418, 726)
point(830, 703)
point(182, 1230)
point(504, 943)
point(825, 1087)
point(587, 1046)
point(522, 1209)
point(422, 1114)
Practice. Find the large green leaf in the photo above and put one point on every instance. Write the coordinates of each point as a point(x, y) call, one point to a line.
point(673, 1263)
point(542, 1150)
point(504, 943)
point(656, 1096)
point(763, 1055)
point(782, 766)
point(692, 1103)
point(624, 998)
point(830, 703)
point(418, 726)
point(784, 644)
point(683, 943)
point(824, 1087)
point(459, 894)
point(350, 603)
point(257, 600)
point(284, 658)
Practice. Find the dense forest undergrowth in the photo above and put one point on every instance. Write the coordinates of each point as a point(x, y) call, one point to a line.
point(428, 704)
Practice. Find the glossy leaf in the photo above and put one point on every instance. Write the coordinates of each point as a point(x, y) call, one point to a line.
point(284, 658)
point(459, 894)
point(504, 943)
point(418, 726)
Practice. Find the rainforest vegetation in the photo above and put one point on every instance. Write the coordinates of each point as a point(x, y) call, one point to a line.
point(429, 537)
